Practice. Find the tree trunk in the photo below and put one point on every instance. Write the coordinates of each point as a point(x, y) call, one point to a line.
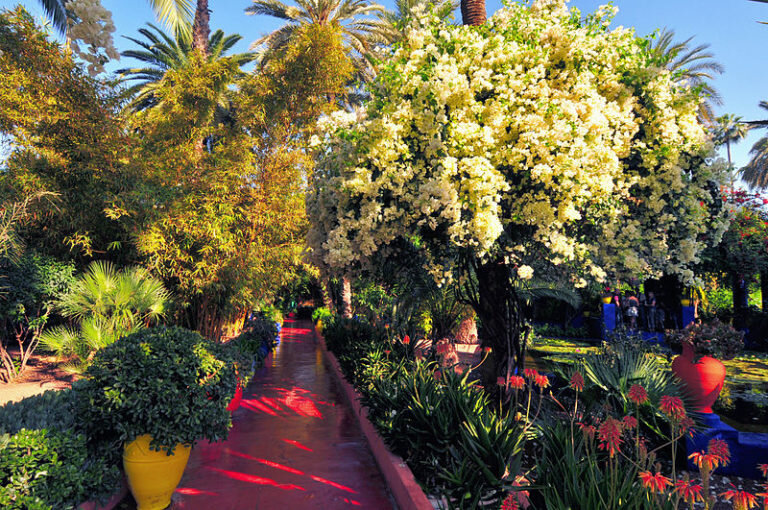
point(201, 29)
point(740, 297)
point(327, 301)
point(473, 12)
point(498, 309)
point(346, 297)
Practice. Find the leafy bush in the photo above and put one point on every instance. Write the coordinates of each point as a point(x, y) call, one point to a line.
point(448, 433)
point(321, 314)
point(614, 370)
point(270, 313)
point(53, 410)
point(45, 469)
point(712, 338)
point(251, 347)
point(170, 383)
point(351, 340)
point(31, 287)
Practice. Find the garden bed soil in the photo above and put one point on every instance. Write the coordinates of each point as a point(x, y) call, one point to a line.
point(43, 373)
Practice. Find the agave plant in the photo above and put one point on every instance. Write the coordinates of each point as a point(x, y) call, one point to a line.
point(105, 304)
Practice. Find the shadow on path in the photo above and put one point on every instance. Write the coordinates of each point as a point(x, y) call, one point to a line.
point(294, 445)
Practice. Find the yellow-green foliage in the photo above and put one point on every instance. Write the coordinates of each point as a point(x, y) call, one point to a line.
point(65, 138)
point(222, 164)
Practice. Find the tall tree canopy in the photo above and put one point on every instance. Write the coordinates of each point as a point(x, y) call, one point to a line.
point(224, 226)
point(360, 34)
point(66, 138)
point(539, 144)
point(161, 52)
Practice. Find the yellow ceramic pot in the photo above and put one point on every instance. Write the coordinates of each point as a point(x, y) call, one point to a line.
point(685, 302)
point(607, 300)
point(153, 475)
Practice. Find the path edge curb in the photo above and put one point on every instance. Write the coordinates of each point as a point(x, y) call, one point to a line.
point(406, 491)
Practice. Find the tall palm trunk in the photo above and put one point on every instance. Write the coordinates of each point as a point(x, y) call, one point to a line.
point(346, 297)
point(473, 12)
point(201, 29)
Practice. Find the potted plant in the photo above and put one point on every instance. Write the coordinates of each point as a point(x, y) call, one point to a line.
point(704, 345)
point(156, 393)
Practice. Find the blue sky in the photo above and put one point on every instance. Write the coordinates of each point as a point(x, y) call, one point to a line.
point(730, 27)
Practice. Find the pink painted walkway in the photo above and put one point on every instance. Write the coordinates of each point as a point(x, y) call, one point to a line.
point(294, 445)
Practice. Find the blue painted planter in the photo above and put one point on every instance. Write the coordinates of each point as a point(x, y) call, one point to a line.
point(748, 449)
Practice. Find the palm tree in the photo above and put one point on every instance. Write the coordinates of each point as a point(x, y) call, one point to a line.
point(55, 10)
point(106, 304)
point(730, 128)
point(473, 12)
point(755, 173)
point(360, 36)
point(177, 14)
point(161, 52)
point(692, 66)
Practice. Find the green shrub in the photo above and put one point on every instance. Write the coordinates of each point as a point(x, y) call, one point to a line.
point(352, 340)
point(43, 469)
point(321, 314)
point(251, 347)
point(170, 383)
point(447, 432)
point(612, 372)
point(30, 289)
point(574, 475)
point(53, 410)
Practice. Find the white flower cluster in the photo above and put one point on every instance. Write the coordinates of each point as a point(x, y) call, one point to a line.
point(536, 137)
point(90, 33)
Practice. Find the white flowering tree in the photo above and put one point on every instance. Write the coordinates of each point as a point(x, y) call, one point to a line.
point(542, 144)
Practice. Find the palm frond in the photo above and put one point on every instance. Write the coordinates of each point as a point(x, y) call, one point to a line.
point(176, 14)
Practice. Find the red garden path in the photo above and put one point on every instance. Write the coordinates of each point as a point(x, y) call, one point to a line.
point(294, 445)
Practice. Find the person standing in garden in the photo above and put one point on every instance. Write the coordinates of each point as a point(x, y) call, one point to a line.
point(650, 303)
point(632, 310)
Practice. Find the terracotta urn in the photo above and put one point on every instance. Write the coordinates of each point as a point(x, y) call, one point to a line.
point(703, 379)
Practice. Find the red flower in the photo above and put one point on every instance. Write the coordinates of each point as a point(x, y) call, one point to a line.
point(510, 503)
point(588, 431)
point(742, 500)
point(387, 352)
point(656, 482)
point(673, 407)
point(637, 394)
point(609, 435)
point(577, 382)
point(542, 381)
point(487, 350)
point(406, 339)
point(688, 491)
point(629, 422)
point(763, 469)
point(501, 381)
point(516, 382)
point(530, 373)
point(720, 448)
point(706, 461)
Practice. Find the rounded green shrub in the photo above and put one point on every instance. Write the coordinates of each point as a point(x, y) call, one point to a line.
point(170, 383)
point(43, 469)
